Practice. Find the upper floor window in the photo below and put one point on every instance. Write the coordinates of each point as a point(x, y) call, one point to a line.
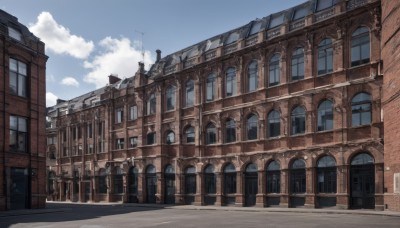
point(252, 76)
point(274, 70)
point(360, 47)
point(231, 82)
point(324, 4)
point(325, 116)
point(89, 130)
point(13, 33)
point(171, 98)
point(211, 83)
point(252, 127)
point(151, 138)
point(133, 141)
point(119, 144)
point(361, 109)
point(18, 134)
point(211, 134)
point(151, 104)
point(119, 115)
point(298, 64)
point(189, 99)
point(230, 131)
point(274, 123)
point(298, 117)
point(325, 57)
point(133, 115)
point(18, 78)
point(189, 134)
point(170, 137)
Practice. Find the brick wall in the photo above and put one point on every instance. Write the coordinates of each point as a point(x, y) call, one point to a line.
point(391, 101)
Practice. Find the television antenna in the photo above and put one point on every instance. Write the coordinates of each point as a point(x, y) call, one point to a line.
point(141, 43)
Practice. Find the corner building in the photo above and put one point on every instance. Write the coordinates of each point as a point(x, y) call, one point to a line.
point(22, 116)
point(283, 111)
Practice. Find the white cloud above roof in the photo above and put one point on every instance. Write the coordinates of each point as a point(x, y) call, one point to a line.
point(59, 39)
point(70, 81)
point(119, 56)
point(51, 99)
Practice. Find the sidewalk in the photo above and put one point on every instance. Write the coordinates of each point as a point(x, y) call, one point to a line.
point(57, 207)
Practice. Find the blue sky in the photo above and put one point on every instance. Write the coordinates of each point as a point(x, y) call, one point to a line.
point(87, 40)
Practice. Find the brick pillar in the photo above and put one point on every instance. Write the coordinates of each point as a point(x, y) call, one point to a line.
point(219, 188)
point(310, 193)
point(261, 199)
point(284, 201)
point(199, 198)
point(343, 191)
point(239, 189)
point(141, 194)
point(178, 187)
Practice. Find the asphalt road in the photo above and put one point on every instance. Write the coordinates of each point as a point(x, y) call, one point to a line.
point(115, 216)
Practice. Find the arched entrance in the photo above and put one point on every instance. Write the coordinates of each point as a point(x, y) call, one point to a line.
point(133, 185)
point(209, 185)
point(229, 184)
point(362, 182)
point(151, 184)
point(190, 184)
point(169, 185)
point(251, 184)
point(297, 183)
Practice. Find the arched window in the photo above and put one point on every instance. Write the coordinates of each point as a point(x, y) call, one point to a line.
point(326, 175)
point(190, 180)
point(211, 85)
point(361, 109)
point(325, 116)
point(252, 76)
point(252, 127)
point(151, 104)
point(133, 180)
point(170, 137)
point(325, 57)
point(298, 117)
point(102, 181)
point(118, 180)
point(298, 177)
point(189, 99)
point(209, 180)
point(230, 82)
point(171, 98)
point(274, 123)
point(362, 159)
point(274, 177)
point(274, 70)
point(360, 46)
point(297, 66)
point(230, 131)
point(211, 134)
point(189, 134)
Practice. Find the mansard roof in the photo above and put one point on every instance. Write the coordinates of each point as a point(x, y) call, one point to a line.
point(8, 21)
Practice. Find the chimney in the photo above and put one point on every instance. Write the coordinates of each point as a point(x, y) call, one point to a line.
point(158, 55)
point(141, 67)
point(113, 79)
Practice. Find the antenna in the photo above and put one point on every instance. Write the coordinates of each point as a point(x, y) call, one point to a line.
point(141, 43)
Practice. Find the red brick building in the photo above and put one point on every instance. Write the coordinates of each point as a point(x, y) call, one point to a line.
point(283, 111)
point(390, 101)
point(22, 116)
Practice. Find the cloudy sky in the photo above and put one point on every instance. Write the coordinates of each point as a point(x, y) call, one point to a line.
point(87, 40)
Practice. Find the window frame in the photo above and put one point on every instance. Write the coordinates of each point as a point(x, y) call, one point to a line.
point(251, 133)
point(252, 76)
point(326, 175)
point(298, 128)
point(322, 111)
point(230, 82)
point(133, 141)
point(153, 138)
point(20, 78)
point(170, 98)
point(119, 115)
point(191, 132)
point(274, 70)
point(273, 177)
point(119, 143)
point(211, 87)
point(358, 41)
point(297, 64)
point(133, 112)
point(189, 93)
point(17, 132)
point(230, 131)
point(211, 139)
point(361, 112)
point(151, 104)
point(276, 124)
point(325, 56)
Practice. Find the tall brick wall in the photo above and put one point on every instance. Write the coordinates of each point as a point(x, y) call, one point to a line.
point(390, 44)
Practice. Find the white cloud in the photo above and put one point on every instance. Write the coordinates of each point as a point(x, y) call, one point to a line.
point(120, 56)
point(70, 81)
point(51, 99)
point(59, 39)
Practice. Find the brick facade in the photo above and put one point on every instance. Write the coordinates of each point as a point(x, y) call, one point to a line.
point(390, 42)
point(91, 135)
point(22, 148)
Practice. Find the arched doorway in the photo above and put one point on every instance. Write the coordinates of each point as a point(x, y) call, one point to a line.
point(297, 183)
point(326, 181)
point(190, 184)
point(209, 185)
point(151, 184)
point(273, 183)
point(251, 184)
point(229, 184)
point(169, 185)
point(362, 182)
point(133, 185)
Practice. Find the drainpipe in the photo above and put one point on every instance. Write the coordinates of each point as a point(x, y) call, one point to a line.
point(4, 124)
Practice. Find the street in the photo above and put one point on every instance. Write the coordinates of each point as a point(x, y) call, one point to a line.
point(96, 216)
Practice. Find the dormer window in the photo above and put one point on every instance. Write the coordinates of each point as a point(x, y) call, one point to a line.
point(324, 4)
point(276, 21)
point(15, 34)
